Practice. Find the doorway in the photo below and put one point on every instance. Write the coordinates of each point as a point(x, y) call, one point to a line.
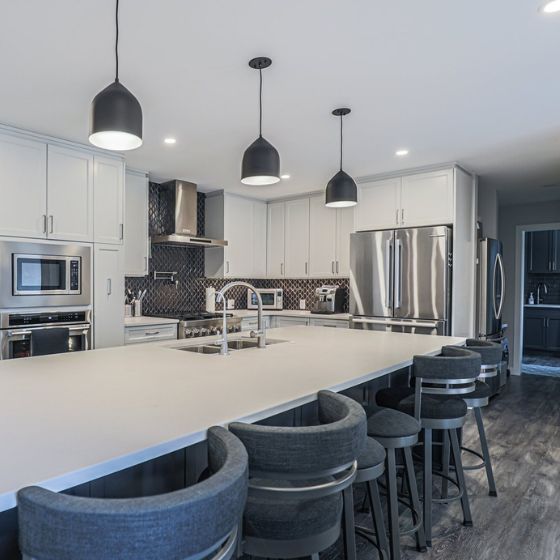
point(537, 332)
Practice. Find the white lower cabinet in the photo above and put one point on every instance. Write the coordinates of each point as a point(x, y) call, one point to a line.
point(251, 323)
point(150, 333)
point(291, 321)
point(108, 296)
point(136, 235)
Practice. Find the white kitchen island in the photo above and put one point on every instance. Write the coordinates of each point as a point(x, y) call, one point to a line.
point(69, 419)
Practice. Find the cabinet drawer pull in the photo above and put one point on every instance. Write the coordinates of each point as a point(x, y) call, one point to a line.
point(151, 333)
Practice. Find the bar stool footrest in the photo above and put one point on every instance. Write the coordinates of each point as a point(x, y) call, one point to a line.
point(477, 454)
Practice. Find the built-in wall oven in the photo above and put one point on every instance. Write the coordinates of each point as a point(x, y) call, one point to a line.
point(17, 328)
point(44, 275)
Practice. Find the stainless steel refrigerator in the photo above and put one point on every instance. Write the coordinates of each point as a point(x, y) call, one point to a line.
point(491, 288)
point(400, 280)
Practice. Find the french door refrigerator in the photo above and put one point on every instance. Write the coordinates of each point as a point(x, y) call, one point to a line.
point(400, 280)
point(491, 288)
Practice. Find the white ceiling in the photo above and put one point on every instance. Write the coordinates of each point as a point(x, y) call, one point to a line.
point(469, 81)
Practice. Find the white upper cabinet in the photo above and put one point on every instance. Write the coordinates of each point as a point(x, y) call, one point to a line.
point(296, 249)
point(275, 240)
point(379, 204)
point(344, 227)
point(242, 223)
point(427, 198)
point(70, 194)
point(108, 290)
point(422, 199)
point(23, 187)
point(322, 238)
point(108, 200)
point(136, 235)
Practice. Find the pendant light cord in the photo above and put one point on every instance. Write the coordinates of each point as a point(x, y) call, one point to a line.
point(117, 42)
point(340, 142)
point(260, 102)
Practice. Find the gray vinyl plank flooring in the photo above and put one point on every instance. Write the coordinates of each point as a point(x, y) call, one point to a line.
point(523, 522)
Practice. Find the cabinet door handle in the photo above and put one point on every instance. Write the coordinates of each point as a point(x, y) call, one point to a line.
point(281, 269)
point(109, 287)
point(397, 217)
point(44, 223)
point(337, 267)
point(332, 267)
point(121, 231)
point(402, 216)
point(306, 268)
point(146, 264)
point(227, 267)
point(51, 218)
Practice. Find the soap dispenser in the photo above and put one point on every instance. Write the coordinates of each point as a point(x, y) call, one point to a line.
point(531, 299)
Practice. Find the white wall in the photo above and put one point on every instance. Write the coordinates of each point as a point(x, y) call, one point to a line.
point(509, 217)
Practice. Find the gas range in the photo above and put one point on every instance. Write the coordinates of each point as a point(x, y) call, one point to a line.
point(197, 324)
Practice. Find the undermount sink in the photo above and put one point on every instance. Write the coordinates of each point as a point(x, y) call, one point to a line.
point(235, 344)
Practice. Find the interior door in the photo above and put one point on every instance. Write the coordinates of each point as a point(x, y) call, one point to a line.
point(421, 273)
point(371, 273)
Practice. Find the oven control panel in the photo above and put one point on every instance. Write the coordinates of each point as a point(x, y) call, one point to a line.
point(74, 275)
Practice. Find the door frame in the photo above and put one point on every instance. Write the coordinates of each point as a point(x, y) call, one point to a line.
point(519, 301)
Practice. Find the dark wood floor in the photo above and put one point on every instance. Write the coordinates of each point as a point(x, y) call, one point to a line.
point(523, 523)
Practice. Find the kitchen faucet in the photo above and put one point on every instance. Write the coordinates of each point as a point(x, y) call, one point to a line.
point(260, 334)
point(545, 287)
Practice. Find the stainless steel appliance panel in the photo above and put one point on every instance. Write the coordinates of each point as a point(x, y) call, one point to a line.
point(422, 266)
point(11, 297)
point(491, 288)
point(371, 273)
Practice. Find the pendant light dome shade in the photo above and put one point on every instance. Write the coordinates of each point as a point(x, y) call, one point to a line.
point(341, 191)
point(261, 164)
point(116, 119)
point(261, 160)
point(116, 115)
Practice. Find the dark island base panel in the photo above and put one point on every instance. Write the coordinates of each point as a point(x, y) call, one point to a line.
point(176, 470)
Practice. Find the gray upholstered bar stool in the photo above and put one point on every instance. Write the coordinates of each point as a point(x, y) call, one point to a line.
point(491, 356)
point(197, 522)
point(395, 431)
point(300, 481)
point(371, 466)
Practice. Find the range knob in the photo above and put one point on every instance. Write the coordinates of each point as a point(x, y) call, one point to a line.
point(188, 333)
point(195, 332)
point(204, 332)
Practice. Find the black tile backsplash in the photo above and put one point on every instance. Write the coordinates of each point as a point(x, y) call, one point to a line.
point(552, 282)
point(188, 292)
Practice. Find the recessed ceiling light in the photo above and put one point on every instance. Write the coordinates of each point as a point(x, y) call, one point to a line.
point(400, 153)
point(285, 176)
point(170, 140)
point(551, 7)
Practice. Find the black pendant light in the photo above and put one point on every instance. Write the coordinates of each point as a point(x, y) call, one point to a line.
point(261, 160)
point(341, 190)
point(116, 115)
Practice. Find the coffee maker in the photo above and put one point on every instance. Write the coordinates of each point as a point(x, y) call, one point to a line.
point(329, 299)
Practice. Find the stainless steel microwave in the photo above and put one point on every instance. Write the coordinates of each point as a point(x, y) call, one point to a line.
point(44, 274)
point(272, 298)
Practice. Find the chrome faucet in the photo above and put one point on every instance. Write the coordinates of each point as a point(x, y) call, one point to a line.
point(260, 334)
point(545, 287)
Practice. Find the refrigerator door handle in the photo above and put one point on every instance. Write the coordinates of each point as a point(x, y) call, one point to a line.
point(500, 262)
point(398, 274)
point(388, 268)
point(427, 324)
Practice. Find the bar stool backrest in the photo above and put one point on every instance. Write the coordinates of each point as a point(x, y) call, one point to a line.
point(453, 372)
point(189, 524)
point(491, 356)
point(310, 453)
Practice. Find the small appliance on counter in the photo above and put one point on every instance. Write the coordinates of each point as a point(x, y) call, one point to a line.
point(328, 300)
point(272, 298)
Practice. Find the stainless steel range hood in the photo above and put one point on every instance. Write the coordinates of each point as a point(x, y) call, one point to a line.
point(185, 218)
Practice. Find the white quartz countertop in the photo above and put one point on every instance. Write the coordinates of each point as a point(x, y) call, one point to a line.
point(70, 418)
point(243, 313)
point(148, 321)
